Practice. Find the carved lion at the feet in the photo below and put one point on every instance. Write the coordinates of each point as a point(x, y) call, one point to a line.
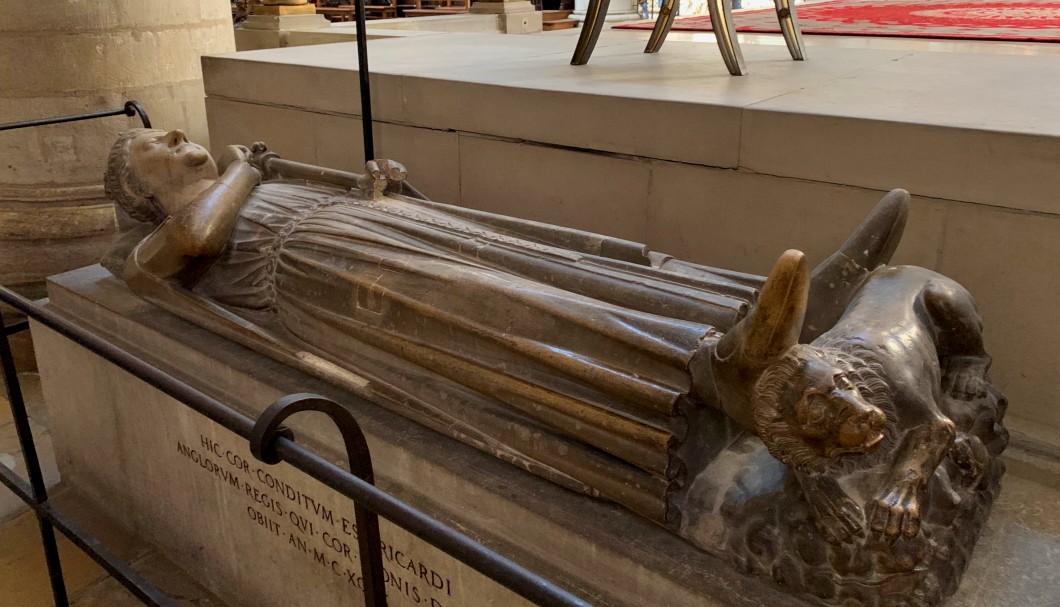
point(876, 395)
point(888, 424)
point(887, 427)
point(778, 532)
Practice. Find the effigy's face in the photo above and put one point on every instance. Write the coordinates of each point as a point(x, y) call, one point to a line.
point(168, 161)
point(832, 416)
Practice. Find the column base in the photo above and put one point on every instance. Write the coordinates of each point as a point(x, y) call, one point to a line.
point(517, 16)
point(619, 10)
point(278, 22)
point(580, 17)
point(285, 9)
point(270, 31)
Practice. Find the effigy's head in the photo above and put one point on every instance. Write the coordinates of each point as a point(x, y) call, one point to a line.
point(146, 162)
point(816, 406)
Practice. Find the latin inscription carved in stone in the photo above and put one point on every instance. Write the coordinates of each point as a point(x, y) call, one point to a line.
point(312, 529)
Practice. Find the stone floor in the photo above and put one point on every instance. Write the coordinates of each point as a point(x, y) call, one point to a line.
point(23, 576)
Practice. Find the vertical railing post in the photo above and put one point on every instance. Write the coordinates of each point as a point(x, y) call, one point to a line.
point(362, 72)
point(263, 442)
point(33, 470)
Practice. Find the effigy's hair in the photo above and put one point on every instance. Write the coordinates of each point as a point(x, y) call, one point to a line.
point(124, 188)
point(772, 398)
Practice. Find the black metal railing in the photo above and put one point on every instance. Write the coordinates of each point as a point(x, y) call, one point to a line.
point(271, 444)
point(35, 494)
point(131, 108)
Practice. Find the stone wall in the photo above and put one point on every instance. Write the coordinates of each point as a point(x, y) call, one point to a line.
point(69, 57)
point(669, 150)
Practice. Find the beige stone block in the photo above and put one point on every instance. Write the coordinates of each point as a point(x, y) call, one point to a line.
point(588, 191)
point(342, 32)
point(100, 483)
point(166, 56)
point(587, 121)
point(47, 221)
point(431, 157)
point(283, 22)
point(114, 14)
point(1002, 169)
point(251, 77)
point(299, 8)
point(502, 6)
point(1010, 93)
point(257, 39)
point(286, 132)
point(208, 523)
point(522, 22)
point(1008, 260)
point(110, 532)
point(339, 142)
point(624, 102)
point(743, 221)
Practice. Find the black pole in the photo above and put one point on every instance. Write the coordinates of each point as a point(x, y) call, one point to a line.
point(366, 91)
point(263, 445)
point(38, 488)
point(131, 108)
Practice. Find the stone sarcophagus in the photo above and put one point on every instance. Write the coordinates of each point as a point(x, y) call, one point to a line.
point(832, 429)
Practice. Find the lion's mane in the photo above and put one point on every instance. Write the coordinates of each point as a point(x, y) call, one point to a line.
point(772, 400)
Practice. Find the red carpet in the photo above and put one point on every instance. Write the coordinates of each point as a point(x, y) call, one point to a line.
point(1027, 20)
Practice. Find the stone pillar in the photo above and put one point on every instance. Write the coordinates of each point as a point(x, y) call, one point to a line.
point(619, 10)
point(69, 57)
point(517, 16)
point(270, 20)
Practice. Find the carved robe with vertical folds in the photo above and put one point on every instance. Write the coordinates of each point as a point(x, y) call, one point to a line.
point(562, 351)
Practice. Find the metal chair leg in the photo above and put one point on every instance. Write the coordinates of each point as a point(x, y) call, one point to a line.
point(591, 28)
point(725, 32)
point(789, 26)
point(663, 23)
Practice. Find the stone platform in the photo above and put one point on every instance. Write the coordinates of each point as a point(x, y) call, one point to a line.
point(269, 536)
point(669, 150)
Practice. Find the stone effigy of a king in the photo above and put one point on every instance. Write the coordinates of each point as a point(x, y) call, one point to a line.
point(562, 351)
